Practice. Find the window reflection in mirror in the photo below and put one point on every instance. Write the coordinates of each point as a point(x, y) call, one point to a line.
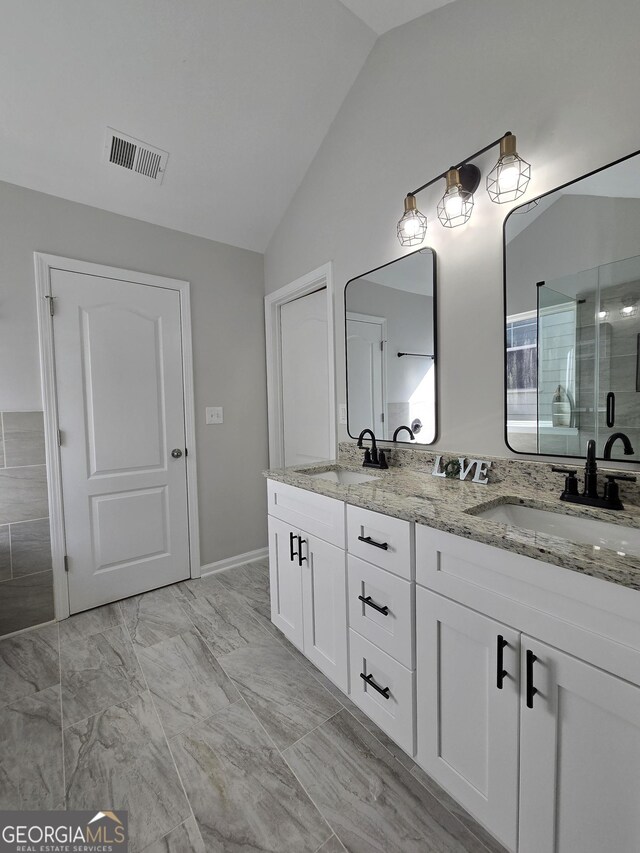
point(572, 335)
point(391, 349)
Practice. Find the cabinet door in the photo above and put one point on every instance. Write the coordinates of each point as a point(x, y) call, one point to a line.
point(324, 595)
point(580, 756)
point(286, 580)
point(467, 725)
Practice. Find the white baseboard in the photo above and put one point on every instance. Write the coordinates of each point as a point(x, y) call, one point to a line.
point(232, 562)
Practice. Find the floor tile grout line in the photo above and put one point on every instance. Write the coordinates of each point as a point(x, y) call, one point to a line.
point(164, 734)
point(133, 694)
point(315, 728)
point(280, 753)
point(168, 832)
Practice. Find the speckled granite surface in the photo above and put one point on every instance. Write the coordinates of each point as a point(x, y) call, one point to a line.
point(409, 491)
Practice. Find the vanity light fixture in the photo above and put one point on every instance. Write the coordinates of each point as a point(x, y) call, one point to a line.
point(507, 181)
point(603, 315)
point(629, 307)
point(413, 224)
point(456, 205)
point(510, 177)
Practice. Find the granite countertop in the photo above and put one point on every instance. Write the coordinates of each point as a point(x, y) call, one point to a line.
point(449, 505)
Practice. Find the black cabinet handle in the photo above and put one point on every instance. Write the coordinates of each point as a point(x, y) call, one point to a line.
point(383, 691)
point(292, 553)
point(370, 541)
point(501, 671)
point(301, 542)
point(384, 610)
point(611, 409)
point(531, 690)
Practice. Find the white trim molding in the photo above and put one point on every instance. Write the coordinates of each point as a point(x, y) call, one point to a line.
point(309, 283)
point(44, 263)
point(233, 562)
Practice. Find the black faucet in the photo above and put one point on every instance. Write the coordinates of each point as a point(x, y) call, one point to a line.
point(628, 449)
point(372, 459)
point(590, 497)
point(591, 472)
point(408, 429)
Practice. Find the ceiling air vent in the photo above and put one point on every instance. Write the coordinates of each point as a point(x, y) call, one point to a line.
point(135, 155)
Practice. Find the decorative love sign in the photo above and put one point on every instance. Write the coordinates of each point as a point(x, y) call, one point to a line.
point(461, 467)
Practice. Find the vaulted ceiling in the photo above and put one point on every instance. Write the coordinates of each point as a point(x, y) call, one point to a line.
point(239, 92)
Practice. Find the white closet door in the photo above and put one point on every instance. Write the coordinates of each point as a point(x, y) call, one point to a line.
point(305, 379)
point(118, 357)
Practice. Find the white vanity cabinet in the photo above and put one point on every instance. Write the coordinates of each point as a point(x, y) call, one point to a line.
point(308, 576)
point(528, 698)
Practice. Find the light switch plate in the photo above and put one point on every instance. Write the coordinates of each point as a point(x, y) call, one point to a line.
point(214, 414)
point(342, 413)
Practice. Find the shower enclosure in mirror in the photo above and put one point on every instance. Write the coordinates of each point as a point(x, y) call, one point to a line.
point(572, 293)
point(390, 332)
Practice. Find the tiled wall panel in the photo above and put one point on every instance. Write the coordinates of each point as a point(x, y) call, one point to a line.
point(26, 579)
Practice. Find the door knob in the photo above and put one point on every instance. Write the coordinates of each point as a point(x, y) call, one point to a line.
point(177, 453)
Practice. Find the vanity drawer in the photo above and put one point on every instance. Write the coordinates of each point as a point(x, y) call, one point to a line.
point(391, 631)
point(316, 514)
point(393, 708)
point(381, 540)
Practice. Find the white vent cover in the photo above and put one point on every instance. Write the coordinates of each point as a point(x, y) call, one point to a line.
point(135, 155)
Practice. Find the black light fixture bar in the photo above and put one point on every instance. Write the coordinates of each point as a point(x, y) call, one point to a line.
point(461, 163)
point(416, 354)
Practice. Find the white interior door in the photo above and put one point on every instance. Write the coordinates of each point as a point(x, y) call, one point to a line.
point(365, 375)
point(119, 379)
point(304, 342)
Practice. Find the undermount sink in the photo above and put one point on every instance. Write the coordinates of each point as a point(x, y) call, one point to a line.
point(584, 531)
point(343, 477)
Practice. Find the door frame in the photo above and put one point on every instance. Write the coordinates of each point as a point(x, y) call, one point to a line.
point(375, 321)
point(44, 263)
point(317, 279)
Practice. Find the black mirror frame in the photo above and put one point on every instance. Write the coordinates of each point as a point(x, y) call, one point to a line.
point(436, 384)
point(504, 306)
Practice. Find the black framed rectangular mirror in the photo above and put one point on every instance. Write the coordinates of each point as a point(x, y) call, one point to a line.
point(572, 324)
point(391, 353)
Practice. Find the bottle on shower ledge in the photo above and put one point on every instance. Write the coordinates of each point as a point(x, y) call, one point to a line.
point(560, 408)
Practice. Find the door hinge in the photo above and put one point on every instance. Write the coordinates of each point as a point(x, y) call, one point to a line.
point(382, 417)
point(186, 451)
point(66, 563)
point(381, 346)
point(50, 299)
point(59, 438)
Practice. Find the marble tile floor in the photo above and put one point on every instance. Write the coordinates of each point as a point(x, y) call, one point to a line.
point(188, 708)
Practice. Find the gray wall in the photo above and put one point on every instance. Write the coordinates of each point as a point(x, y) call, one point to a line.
point(228, 342)
point(561, 75)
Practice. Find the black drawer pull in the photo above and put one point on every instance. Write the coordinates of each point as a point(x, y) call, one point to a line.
point(370, 541)
point(383, 691)
point(531, 690)
point(384, 610)
point(301, 542)
point(501, 671)
point(292, 553)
